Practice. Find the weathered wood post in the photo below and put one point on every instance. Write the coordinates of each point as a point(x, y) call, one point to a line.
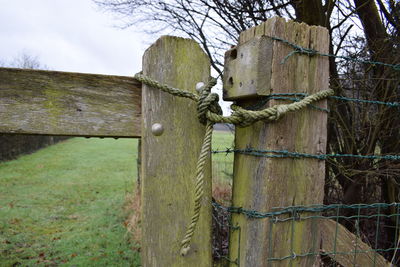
point(169, 160)
point(252, 70)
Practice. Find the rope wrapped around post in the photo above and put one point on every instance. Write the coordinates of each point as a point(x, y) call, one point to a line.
point(208, 103)
point(209, 113)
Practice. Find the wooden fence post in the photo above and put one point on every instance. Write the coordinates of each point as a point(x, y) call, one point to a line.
point(262, 183)
point(169, 160)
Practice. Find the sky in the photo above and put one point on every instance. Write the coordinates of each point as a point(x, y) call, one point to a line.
point(69, 35)
point(72, 35)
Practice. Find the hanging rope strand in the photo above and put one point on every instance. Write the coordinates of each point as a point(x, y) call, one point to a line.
point(199, 188)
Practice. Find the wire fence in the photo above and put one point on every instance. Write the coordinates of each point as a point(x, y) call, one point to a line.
point(378, 218)
point(352, 235)
point(222, 174)
point(367, 240)
point(340, 246)
point(373, 247)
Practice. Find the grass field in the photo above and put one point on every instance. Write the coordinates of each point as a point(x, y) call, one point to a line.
point(222, 167)
point(65, 205)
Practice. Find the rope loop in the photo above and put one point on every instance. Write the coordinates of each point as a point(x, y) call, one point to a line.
point(163, 87)
point(208, 101)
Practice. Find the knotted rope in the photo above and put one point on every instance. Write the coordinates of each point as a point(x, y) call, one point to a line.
point(209, 112)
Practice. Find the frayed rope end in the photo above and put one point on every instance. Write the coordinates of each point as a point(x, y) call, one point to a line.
point(185, 250)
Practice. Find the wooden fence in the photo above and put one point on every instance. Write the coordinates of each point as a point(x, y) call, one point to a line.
point(74, 104)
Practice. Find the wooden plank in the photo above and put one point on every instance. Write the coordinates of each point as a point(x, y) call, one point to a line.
point(261, 183)
point(253, 55)
point(169, 161)
point(246, 35)
point(247, 70)
point(66, 103)
point(336, 238)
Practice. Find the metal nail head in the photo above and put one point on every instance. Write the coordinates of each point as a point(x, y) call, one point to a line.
point(199, 86)
point(157, 129)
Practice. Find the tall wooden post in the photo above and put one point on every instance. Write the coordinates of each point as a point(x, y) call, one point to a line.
point(252, 70)
point(169, 160)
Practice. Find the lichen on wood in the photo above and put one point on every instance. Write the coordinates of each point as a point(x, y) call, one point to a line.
point(263, 183)
point(169, 160)
point(69, 104)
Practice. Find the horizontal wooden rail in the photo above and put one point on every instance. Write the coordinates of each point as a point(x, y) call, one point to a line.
point(71, 104)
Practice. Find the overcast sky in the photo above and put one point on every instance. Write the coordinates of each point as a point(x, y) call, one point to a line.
point(72, 35)
point(69, 35)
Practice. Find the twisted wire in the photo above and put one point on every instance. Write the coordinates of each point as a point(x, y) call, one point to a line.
point(311, 52)
point(293, 154)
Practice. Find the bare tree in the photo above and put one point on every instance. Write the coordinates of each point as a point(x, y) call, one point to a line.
point(214, 24)
point(13, 145)
point(24, 61)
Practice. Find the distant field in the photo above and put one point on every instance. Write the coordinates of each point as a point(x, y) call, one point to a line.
point(222, 162)
point(64, 205)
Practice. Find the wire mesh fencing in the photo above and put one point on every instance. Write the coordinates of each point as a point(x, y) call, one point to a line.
point(351, 235)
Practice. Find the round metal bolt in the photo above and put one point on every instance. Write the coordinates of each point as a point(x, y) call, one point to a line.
point(157, 129)
point(199, 86)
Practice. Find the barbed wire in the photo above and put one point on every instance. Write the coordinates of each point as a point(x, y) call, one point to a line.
point(310, 209)
point(299, 96)
point(297, 49)
point(270, 153)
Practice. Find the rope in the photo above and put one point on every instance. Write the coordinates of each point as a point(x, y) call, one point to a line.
point(199, 188)
point(163, 87)
point(208, 108)
point(243, 117)
point(209, 112)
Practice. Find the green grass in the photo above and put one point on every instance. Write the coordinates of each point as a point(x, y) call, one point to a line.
point(222, 140)
point(222, 163)
point(64, 205)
